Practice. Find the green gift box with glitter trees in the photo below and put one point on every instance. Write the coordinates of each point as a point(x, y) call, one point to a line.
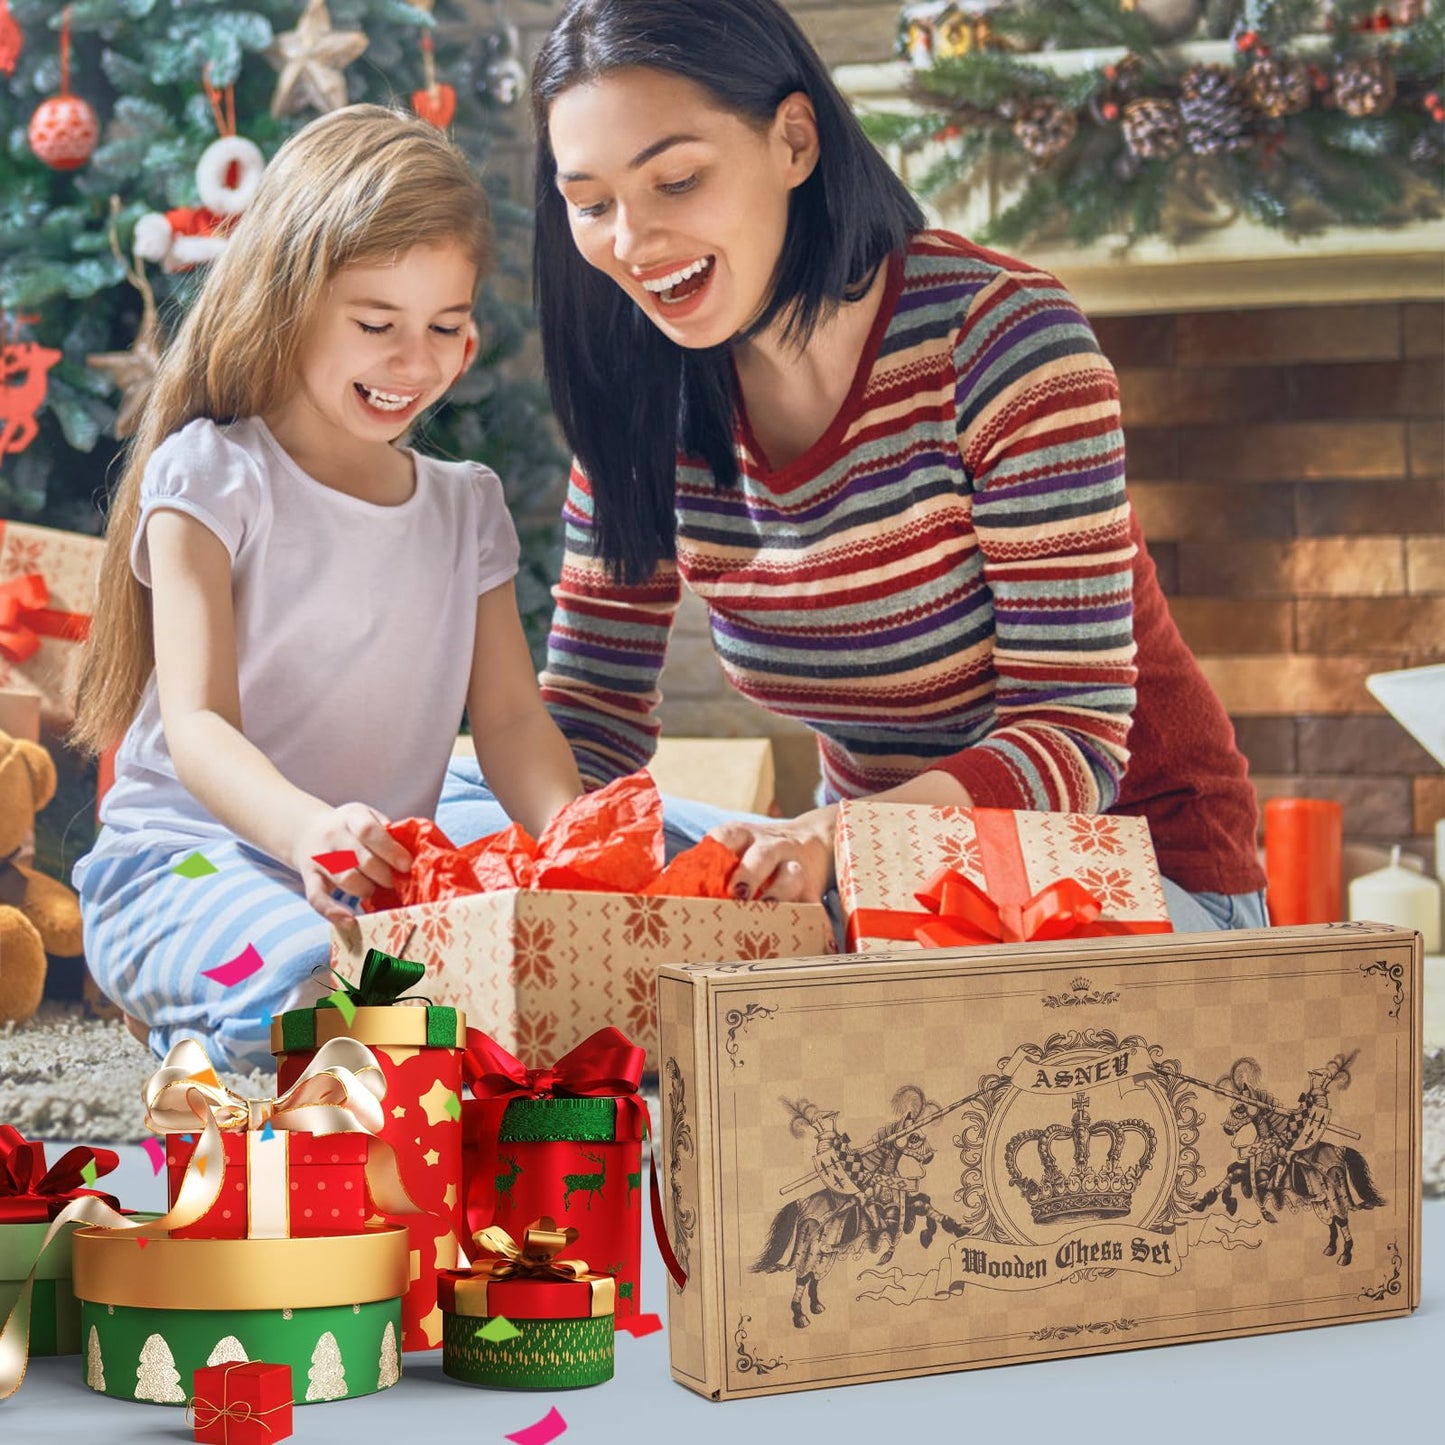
point(525, 1318)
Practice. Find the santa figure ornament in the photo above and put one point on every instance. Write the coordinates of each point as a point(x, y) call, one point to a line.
point(227, 175)
point(64, 129)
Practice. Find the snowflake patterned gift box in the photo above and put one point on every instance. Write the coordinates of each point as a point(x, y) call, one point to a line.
point(418, 1048)
point(47, 583)
point(241, 1403)
point(522, 1318)
point(937, 877)
point(328, 1308)
point(890, 1165)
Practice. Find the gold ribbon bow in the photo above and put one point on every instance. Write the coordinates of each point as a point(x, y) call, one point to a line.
point(534, 1258)
point(339, 1092)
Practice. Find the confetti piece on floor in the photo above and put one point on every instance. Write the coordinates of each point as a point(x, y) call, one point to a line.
point(549, 1427)
point(157, 1152)
point(237, 969)
point(497, 1329)
point(337, 863)
point(639, 1325)
point(196, 866)
point(453, 1106)
point(90, 1174)
point(343, 1002)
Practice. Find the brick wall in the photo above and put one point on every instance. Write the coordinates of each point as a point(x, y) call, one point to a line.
point(1289, 470)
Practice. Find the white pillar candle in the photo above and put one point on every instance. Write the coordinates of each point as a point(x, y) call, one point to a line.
point(1400, 896)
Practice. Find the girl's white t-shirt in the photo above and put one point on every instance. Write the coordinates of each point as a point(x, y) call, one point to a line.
point(355, 625)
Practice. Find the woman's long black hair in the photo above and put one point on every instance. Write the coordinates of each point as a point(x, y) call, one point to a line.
point(628, 398)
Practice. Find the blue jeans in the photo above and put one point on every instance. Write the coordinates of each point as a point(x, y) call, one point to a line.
point(468, 810)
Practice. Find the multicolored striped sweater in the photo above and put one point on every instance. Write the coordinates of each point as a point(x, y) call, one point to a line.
point(941, 582)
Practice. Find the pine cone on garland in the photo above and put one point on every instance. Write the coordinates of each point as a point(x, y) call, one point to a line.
point(1364, 87)
point(1214, 111)
point(1153, 129)
point(1276, 87)
point(1044, 129)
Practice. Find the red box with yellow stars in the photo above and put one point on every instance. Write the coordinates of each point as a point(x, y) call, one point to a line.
point(419, 1049)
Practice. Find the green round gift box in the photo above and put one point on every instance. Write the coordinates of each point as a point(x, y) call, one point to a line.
point(543, 1355)
point(145, 1326)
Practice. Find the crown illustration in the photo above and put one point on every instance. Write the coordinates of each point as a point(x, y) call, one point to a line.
point(1099, 1184)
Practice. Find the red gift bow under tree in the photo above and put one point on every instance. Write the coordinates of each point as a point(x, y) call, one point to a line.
point(26, 616)
point(32, 1194)
point(606, 1064)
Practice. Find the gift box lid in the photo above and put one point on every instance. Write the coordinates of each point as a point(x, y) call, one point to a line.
point(461, 1292)
point(401, 1025)
point(240, 1274)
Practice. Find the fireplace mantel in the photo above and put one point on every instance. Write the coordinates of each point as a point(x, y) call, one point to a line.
point(1240, 265)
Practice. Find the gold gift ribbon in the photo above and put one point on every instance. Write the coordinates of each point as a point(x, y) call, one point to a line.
point(241, 1274)
point(534, 1258)
point(339, 1092)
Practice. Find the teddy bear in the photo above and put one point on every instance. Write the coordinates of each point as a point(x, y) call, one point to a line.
point(38, 915)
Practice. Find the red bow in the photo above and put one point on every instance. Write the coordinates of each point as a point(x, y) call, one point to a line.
point(959, 913)
point(606, 1064)
point(26, 617)
point(29, 1194)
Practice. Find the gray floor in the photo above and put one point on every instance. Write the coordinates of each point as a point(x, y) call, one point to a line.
point(1378, 1382)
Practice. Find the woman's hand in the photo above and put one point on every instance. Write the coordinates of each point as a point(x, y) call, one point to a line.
point(356, 828)
point(790, 861)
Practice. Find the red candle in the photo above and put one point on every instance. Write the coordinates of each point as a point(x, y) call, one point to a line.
point(1302, 860)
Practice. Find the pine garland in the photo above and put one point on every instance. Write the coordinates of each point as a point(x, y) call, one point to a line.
point(1340, 127)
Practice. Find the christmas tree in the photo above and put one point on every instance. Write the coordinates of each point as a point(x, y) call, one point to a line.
point(157, 1378)
point(165, 82)
point(388, 1370)
point(94, 1365)
point(326, 1379)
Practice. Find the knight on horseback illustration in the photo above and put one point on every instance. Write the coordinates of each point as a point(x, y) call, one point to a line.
point(871, 1196)
point(1289, 1155)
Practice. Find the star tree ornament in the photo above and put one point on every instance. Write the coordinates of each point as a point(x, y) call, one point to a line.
point(64, 129)
point(310, 60)
point(133, 371)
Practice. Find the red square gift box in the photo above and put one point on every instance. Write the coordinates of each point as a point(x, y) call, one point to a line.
point(241, 1404)
point(291, 1185)
point(942, 877)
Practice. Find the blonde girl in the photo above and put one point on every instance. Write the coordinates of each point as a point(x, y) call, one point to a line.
point(294, 608)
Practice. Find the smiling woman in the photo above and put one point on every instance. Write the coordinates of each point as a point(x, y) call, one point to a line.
point(887, 460)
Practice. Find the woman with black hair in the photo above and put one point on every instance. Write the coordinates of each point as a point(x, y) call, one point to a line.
point(887, 460)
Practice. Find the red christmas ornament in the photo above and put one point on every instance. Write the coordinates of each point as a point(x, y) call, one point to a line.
point(12, 39)
point(436, 101)
point(64, 129)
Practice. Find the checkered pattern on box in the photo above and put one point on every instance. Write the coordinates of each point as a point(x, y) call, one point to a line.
point(850, 1047)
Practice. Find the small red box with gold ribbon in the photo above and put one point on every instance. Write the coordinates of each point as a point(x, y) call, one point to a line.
point(418, 1047)
point(241, 1403)
point(47, 582)
point(565, 1142)
point(947, 877)
point(524, 1319)
point(302, 1165)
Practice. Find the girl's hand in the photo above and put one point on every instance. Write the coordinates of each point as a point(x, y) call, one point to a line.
point(790, 861)
point(356, 828)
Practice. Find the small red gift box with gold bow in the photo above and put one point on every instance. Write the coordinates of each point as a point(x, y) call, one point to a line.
point(522, 1317)
point(47, 582)
point(947, 877)
point(302, 1165)
point(241, 1403)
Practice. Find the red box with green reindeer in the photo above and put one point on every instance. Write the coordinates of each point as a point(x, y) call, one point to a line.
point(564, 1142)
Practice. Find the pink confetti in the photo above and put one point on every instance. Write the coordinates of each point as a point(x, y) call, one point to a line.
point(549, 1427)
point(234, 970)
point(157, 1152)
point(639, 1325)
point(337, 863)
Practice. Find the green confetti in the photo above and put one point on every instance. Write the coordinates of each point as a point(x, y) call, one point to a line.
point(90, 1174)
point(453, 1106)
point(196, 866)
point(497, 1330)
point(342, 1000)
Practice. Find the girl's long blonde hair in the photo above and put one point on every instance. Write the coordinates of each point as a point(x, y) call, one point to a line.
point(357, 186)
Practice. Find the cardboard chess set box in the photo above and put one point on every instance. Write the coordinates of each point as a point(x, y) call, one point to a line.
point(903, 1164)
